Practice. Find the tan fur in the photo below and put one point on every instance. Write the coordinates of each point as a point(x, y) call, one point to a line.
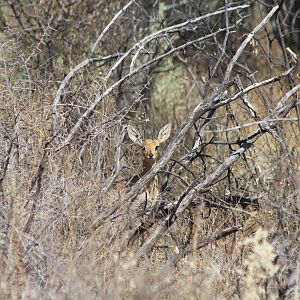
point(151, 149)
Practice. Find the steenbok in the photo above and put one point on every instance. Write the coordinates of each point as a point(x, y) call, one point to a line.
point(150, 153)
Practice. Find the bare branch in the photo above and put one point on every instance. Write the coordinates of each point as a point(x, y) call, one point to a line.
point(186, 199)
point(247, 40)
point(200, 244)
point(109, 182)
point(113, 20)
point(145, 40)
point(84, 63)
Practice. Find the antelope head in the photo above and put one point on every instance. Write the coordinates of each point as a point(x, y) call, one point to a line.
point(150, 147)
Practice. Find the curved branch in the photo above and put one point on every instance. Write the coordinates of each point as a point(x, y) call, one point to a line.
point(85, 62)
point(200, 244)
point(185, 200)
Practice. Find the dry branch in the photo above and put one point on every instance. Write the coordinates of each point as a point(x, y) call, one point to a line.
point(81, 65)
point(229, 69)
point(247, 40)
point(160, 60)
point(131, 73)
point(185, 200)
point(110, 181)
point(200, 244)
point(213, 102)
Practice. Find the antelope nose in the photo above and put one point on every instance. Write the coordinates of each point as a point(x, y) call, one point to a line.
point(150, 155)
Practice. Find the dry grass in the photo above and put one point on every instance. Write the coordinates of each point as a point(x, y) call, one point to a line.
point(49, 198)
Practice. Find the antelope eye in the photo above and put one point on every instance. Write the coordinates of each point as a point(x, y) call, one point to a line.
point(156, 147)
point(144, 149)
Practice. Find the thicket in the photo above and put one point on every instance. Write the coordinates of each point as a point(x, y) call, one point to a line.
point(74, 74)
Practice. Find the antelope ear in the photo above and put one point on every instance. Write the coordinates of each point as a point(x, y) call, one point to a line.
point(164, 133)
point(134, 135)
